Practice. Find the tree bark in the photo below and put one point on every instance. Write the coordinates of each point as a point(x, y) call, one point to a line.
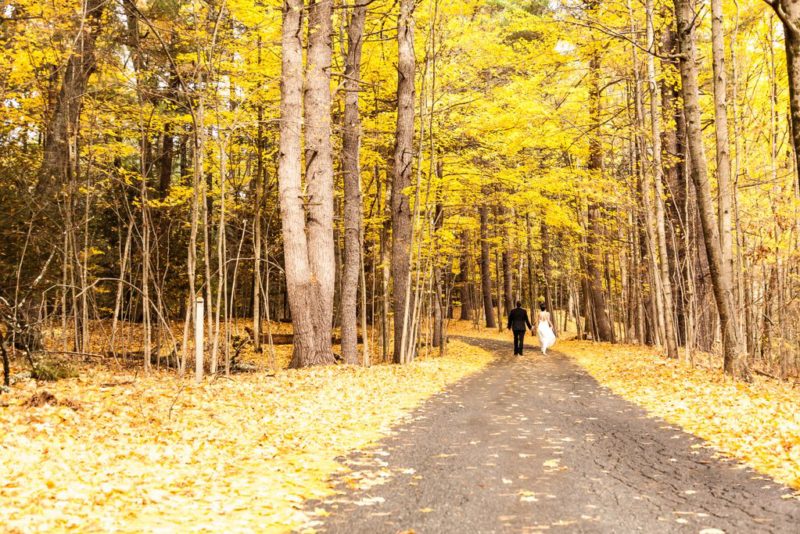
point(663, 258)
point(486, 266)
point(547, 272)
point(508, 295)
point(724, 206)
point(61, 136)
point(319, 162)
point(165, 163)
point(599, 308)
point(303, 289)
point(259, 185)
point(532, 289)
point(789, 13)
point(675, 174)
point(438, 276)
point(699, 173)
point(465, 279)
point(402, 224)
point(351, 143)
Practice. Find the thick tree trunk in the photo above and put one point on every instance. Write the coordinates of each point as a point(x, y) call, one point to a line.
point(351, 144)
point(302, 286)
point(319, 161)
point(699, 172)
point(486, 269)
point(402, 224)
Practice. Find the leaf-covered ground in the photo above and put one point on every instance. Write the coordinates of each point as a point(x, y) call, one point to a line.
point(758, 423)
point(123, 451)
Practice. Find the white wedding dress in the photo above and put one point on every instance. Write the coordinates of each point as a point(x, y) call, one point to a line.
point(547, 338)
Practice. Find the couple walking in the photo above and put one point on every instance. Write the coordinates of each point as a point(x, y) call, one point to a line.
point(518, 323)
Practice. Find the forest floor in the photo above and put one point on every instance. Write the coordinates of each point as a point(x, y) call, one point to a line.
point(535, 443)
point(117, 449)
point(482, 440)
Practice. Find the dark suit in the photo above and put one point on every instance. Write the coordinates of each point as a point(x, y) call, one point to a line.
point(518, 322)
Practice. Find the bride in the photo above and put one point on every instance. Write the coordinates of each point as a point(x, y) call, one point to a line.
point(547, 336)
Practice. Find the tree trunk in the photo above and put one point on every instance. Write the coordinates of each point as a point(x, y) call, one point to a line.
point(499, 286)
point(724, 207)
point(165, 163)
point(257, 229)
point(699, 172)
point(663, 258)
point(508, 296)
point(352, 186)
point(789, 13)
point(532, 289)
point(319, 163)
point(402, 224)
point(486, 266)
point(385, 264)
point(303, 289)
point(547, 271)
point(60, 145)
point(465, 279)
point(600, 320)
point(675, 176)
point(438, 276)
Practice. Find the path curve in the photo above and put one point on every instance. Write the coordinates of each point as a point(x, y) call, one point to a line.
point(535, 444)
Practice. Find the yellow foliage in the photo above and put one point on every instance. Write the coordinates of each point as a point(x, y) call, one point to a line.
point(142, 453)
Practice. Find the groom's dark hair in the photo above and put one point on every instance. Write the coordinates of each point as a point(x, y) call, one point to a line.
point(519, 304)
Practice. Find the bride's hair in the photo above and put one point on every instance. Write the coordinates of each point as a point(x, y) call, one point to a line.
point(542, 307)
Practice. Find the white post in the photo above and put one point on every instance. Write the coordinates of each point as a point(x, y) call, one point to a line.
point(198, 339)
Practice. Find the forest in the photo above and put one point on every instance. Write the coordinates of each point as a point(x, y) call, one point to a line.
point(155, 152)
point(213, 193)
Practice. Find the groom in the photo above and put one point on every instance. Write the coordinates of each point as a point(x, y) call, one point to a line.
point(517, 322)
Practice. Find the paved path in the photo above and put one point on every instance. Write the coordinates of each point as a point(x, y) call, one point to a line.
point(535, 444)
